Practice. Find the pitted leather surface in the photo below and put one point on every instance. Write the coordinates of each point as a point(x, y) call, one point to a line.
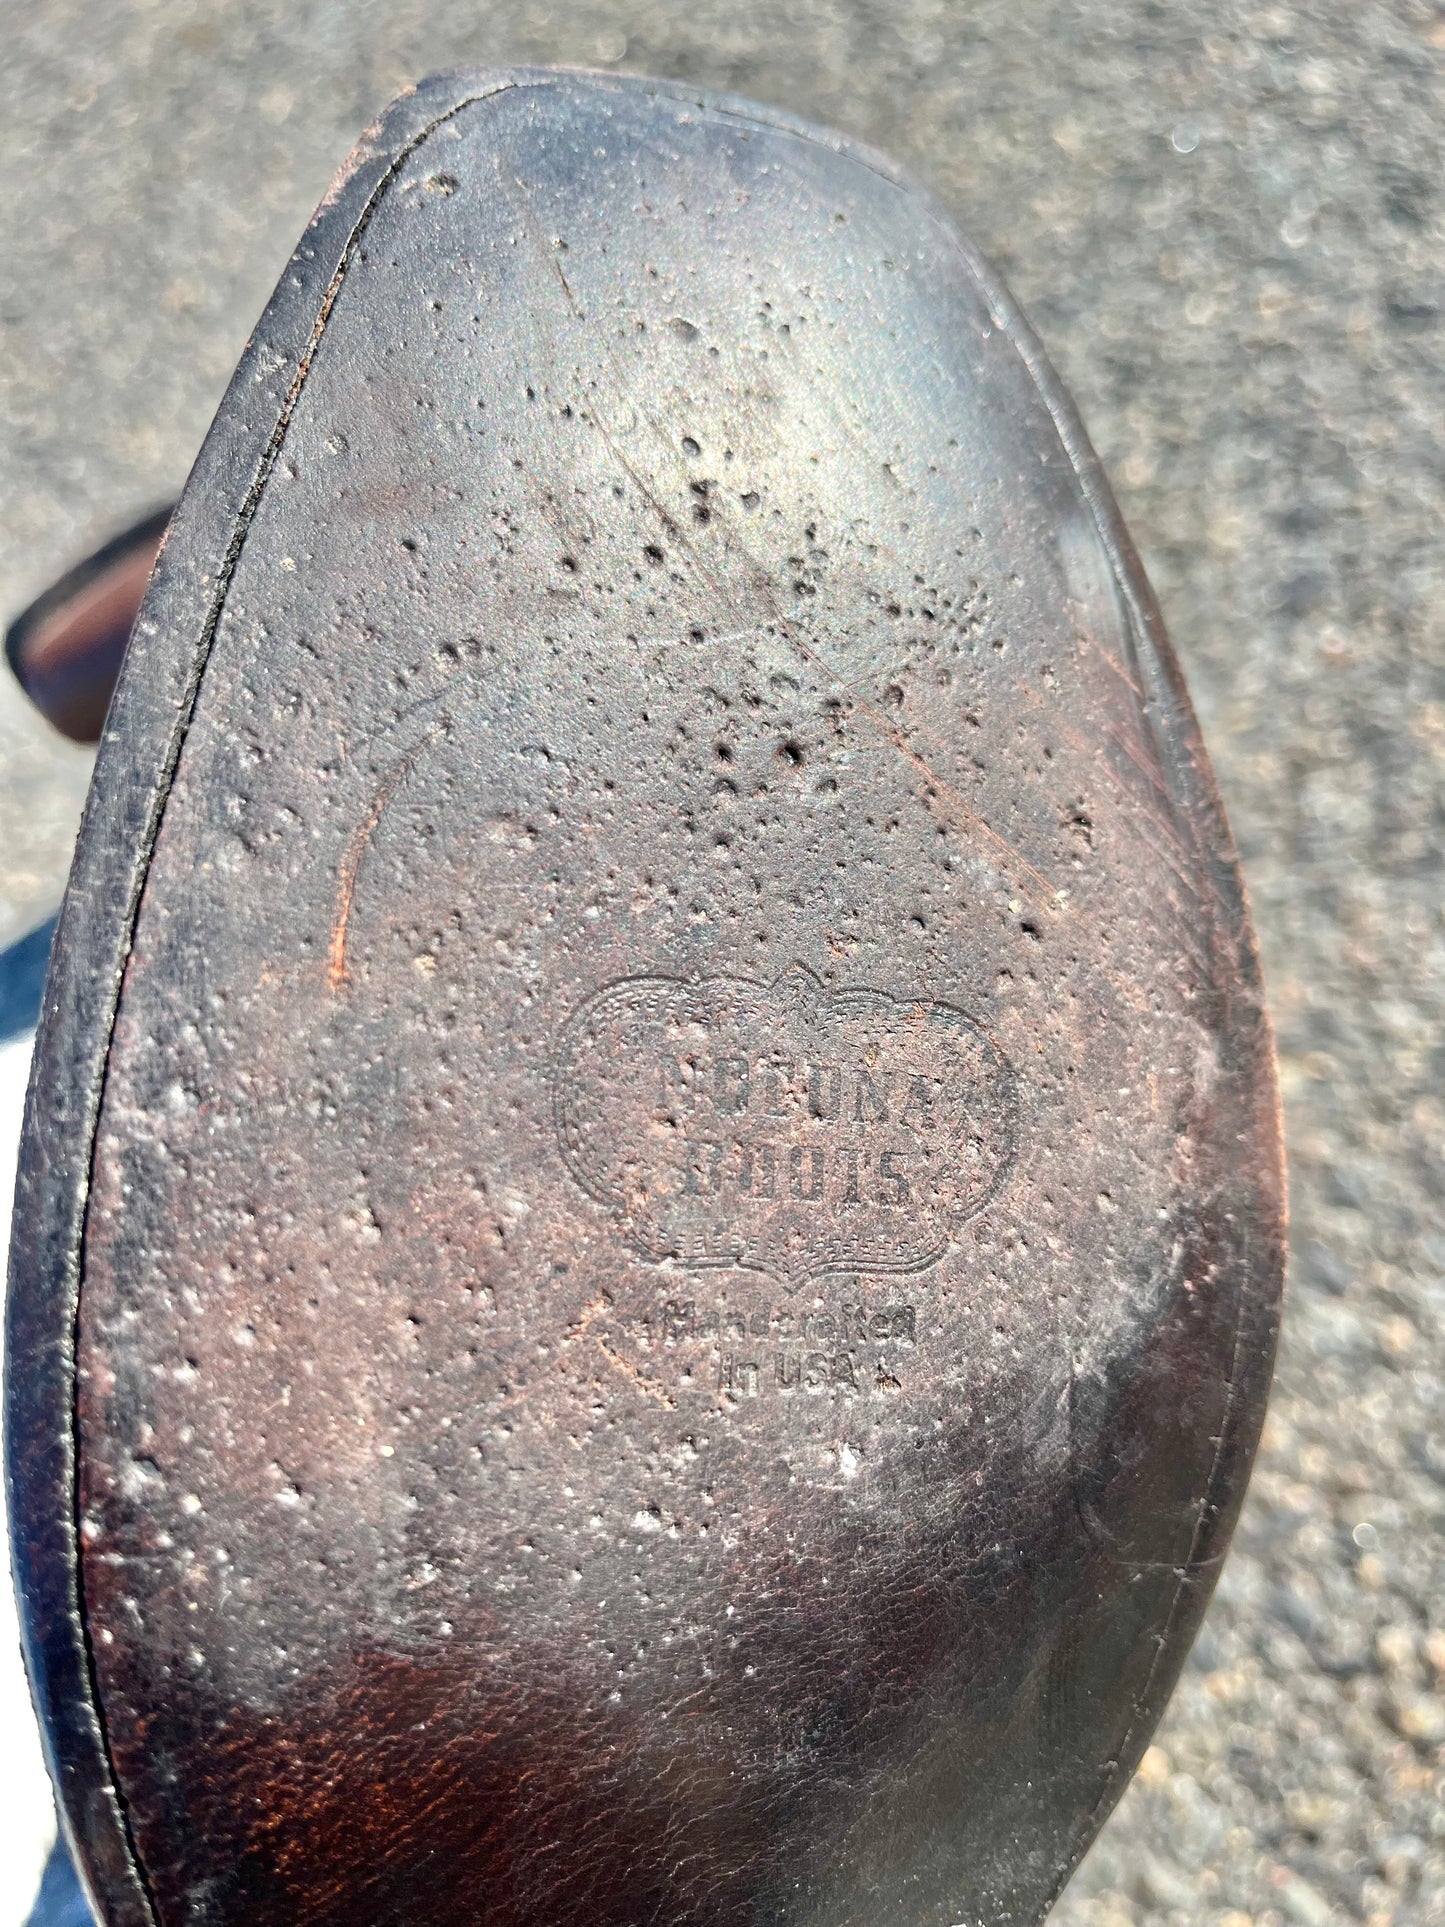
point(684, 1234)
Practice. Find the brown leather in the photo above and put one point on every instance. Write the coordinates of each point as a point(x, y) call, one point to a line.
point(678, 1276)
point(66, 649)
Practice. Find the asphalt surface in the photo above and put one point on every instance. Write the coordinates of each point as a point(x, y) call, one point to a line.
point(1226, 222)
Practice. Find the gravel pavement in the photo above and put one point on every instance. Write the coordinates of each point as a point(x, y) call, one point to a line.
point(1226, 222)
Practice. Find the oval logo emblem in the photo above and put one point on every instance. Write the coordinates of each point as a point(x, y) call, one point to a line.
point(784, 1128)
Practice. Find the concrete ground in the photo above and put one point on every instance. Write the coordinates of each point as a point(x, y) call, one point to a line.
point(1228, 222)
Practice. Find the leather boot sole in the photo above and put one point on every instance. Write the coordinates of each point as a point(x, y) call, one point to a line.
point(650, 1232)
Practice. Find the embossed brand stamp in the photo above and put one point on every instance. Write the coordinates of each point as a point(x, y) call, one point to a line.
point(784, 1128)
point(844, 1348)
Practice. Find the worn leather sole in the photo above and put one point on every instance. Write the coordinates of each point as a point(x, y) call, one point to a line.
point(651, 1223)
